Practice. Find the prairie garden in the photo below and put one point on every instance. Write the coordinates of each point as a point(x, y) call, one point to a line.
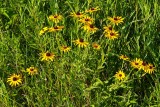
point(79, 53)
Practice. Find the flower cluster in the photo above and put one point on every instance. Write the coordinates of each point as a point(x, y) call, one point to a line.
point(142, 65)
point(109, 31)
point(16, 79)
point(86, 20)
point(87, 24)
point(139, 64)
point(56, 19)
point(136, 63)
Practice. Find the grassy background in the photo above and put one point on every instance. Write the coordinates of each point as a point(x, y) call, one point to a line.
point(82, 77)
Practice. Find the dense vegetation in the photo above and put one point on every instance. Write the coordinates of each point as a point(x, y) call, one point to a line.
point(79, 53)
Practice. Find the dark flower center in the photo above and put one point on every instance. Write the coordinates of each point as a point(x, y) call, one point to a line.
point(91, 26)
point(55, 27)
point(115, 18)
point(136, 63)
point(112, 34)
point(96, 46)
point(87, 19)
point(31, 69)
point(144, 63)
point(92, 8)
point(120, 75)
point(55, 16)
point(48, 54)
point(65, 47)
point(124, 57)
point(150, 67)
point(15, 78)
point(81, 40)
point(110, 28)
point(78, 13)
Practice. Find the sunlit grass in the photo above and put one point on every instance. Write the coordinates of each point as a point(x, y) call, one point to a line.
point(93, 53)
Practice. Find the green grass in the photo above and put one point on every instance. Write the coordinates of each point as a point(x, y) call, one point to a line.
point(83, 77)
